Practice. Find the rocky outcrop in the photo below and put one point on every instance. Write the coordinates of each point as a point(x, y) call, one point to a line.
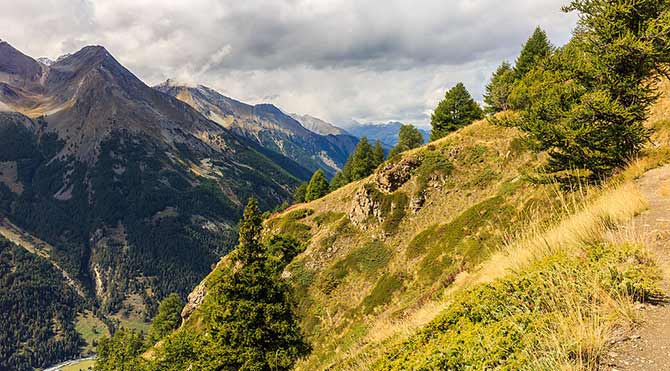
point(394, 174)
point(195, 299)
point(365, 206)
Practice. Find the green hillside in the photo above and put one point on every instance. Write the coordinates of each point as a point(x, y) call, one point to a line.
point(459, 226)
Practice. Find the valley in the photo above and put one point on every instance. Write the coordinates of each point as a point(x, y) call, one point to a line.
point(398, 187)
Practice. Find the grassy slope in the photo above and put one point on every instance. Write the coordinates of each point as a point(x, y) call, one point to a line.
point(357, 288)
point(398, 293)
point(366, 284)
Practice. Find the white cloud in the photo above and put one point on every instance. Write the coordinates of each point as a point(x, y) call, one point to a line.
point(337, 59)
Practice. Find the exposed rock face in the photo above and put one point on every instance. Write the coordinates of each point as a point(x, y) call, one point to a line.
point(317, 125)
point(393, 175)
point(269, 127)
point(365, 206)
point(195, 299)
point(417, 201)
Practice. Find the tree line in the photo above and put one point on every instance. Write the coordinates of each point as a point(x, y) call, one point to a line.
point(362, 162)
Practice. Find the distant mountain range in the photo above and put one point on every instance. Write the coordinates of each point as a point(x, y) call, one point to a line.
point(318, 126)
point(307, 140)
point(386, 133)
point(134, 193)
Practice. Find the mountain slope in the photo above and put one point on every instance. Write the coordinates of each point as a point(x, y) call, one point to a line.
point(454, 236)
point(136, 191)
point(378, 249)
point(38, 309)
point(268, 126)
point(317, 125)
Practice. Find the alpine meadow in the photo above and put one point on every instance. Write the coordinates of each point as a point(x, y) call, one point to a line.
point(398, 185)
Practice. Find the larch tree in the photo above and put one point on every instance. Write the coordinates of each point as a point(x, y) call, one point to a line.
point(408, 137)
point(455, 111)
point(318, 186)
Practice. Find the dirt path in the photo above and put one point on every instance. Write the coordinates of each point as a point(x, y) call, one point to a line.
point(647, 348)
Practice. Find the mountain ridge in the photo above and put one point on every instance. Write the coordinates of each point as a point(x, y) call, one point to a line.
point(269, 126)
point(136, 192)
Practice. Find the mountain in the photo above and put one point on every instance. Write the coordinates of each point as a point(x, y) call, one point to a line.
point(446, 256)
point(269, 127)
point(133, 193)
point(317, 125)
point(386, 133)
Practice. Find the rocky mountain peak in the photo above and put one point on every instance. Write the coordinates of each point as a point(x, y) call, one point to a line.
point(18, 65)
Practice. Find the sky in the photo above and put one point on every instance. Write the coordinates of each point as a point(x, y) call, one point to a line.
point(340, 60)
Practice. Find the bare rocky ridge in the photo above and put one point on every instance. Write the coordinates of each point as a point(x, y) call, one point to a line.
point(317, 125)
point(268, 126)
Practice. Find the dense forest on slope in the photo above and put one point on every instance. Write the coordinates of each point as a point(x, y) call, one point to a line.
point(476, 251)
point(38, 312)
point(159, 210)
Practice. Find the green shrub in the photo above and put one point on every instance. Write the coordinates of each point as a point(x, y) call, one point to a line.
point(367, 259)
point(464, 239)
point(512, 323)
point(382, 292)
point(289, 225)
point(327, 217)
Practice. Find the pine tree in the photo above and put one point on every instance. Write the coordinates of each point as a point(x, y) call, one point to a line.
point(251, 325)
point(499, 88)
point(408, 137)
point(300, 192)
point(167, 319)
point(362, 162)
point(318, 186)
point(455, 111)
point(378, 154)
point(536, 48)
point(587, 102)
point(339, 180)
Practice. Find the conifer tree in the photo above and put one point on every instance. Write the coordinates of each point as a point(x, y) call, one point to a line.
point(339, 180)
point(408, 137)
point(251, 325)
point(455, 111)
point(586, 104)
point(318, 186)
point(167, 318)
point(120, 352)
point(499, 88)
point(362, 162)
point(300, 192)
point(378, 154)
point(536, 48)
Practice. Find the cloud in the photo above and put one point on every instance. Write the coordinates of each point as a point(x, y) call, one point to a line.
point(373, 60)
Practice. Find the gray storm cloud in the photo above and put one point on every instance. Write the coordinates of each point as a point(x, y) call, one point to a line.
point(338, 59)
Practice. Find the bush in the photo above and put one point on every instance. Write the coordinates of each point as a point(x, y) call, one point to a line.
point(516, 322)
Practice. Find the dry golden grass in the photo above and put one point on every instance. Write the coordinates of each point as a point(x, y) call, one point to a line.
point(590, 223)
point(585, 216)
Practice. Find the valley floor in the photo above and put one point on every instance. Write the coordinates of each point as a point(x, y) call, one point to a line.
point(647, 348)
